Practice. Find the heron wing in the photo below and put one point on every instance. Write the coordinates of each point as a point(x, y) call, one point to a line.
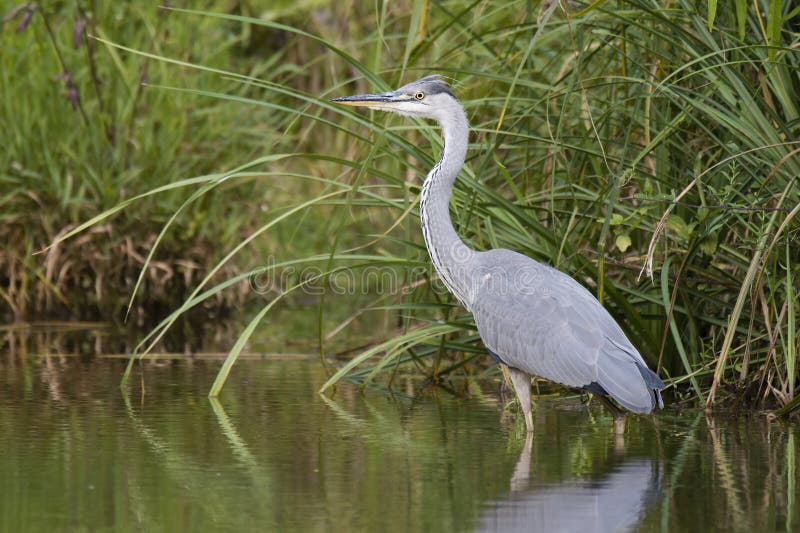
point(543, 322)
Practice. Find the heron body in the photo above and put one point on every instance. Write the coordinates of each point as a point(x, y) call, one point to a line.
point(531, 317)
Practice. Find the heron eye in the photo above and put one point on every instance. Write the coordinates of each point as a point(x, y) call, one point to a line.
point(419, 96)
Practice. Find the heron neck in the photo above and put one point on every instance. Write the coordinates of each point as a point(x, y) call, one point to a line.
point(449, 255)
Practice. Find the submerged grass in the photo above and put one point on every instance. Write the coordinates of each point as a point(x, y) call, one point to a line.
point(613, 140)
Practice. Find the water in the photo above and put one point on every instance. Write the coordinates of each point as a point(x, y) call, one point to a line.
point(76, 454)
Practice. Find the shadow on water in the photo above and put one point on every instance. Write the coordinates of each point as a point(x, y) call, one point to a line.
point(272, 454)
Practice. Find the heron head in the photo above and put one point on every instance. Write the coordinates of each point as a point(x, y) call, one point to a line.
point(427, 97)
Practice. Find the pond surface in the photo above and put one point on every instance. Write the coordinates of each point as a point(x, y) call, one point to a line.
point(78, 454)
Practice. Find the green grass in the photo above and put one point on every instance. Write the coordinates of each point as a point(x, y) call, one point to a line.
point(61, 165)
point(618, 141)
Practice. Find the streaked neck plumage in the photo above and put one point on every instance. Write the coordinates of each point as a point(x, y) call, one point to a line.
point(450, 256)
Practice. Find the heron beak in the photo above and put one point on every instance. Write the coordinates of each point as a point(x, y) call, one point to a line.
point(369, 100)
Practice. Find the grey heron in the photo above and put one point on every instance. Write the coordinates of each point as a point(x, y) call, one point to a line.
point(531, 317)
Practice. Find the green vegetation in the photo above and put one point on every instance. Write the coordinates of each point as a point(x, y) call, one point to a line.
point(608, 138)
point(82, 132)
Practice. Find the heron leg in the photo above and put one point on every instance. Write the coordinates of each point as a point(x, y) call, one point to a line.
point(522, 386)
point(520, 481)
point(619, 414)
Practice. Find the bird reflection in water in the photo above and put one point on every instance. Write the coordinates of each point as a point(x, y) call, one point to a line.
point(612, 502)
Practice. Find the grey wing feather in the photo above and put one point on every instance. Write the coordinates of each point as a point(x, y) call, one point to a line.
point(543, 322)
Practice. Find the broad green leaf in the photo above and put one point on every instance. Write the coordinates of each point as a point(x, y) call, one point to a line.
point(741, 17)
point(709, 245)
point(623, 242)
point(680, 227)
point(712, 13)
point(774, 20)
